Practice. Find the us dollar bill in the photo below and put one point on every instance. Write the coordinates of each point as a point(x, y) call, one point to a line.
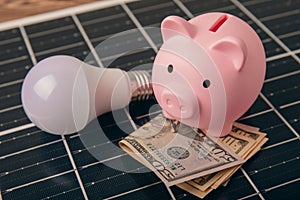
point(250, 141)
point(226, 176)
point(178, 157)
point(242, 140)
point(193, 190)
point(259, 140)
point(240, 145)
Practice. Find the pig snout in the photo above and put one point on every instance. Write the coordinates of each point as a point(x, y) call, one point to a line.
point(178, 104)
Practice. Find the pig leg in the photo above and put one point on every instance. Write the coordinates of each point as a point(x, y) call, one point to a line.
point(218, 133)
point(226, 129)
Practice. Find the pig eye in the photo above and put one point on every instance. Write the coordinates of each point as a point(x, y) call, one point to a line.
point(170, 68)
point(206, 83)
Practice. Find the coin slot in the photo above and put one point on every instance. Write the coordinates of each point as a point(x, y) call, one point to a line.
point(218, 23)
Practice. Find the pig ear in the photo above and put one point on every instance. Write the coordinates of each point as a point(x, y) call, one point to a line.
point(174, 25)
point(231, 48)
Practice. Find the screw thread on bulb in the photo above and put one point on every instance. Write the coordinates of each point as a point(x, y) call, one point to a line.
point(141, 86)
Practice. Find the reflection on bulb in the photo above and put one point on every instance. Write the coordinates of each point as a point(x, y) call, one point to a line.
point(61, 94)
point(45, 86)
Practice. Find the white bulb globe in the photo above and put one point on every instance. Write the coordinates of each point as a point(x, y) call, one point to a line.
point(61, 94)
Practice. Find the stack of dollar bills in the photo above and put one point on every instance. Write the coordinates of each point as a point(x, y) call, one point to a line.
point(190, 159)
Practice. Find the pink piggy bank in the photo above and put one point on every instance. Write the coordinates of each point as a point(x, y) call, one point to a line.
point(208, 71)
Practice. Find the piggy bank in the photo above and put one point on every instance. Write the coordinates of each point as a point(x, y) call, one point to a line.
point(208, 71)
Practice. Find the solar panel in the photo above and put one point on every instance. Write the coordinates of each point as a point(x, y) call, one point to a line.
point(38, 165)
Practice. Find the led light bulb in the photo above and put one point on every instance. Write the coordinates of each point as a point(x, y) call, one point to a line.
point(62, 94)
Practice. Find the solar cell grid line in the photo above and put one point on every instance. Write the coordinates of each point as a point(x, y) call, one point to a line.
point(141, 188)
point(51, 31)
point(197, 8)
point(280, 116)
point(28, 45)
point(11, 83)
point(37, 181)
point(87, 40)
point(283, 91)
point(250, 196)
point(16, 39)
point(10, 108)
point(252, 183)
point(291, 113)
point(279, 143)
point(100, 25)
point(151, 13)
point(7, 61)
point(282, 184)
point(183, 8)
point(30, 149)
point(61, 48)
point(13, 73)
point(30, 138)
point(15, 129)
point(34, 61)
point(282, 66)
point(284, 36)
point(138, 25)
point(290, 104)
point(282, 76)
point(277, 191)
point(75, 167)
point(256, 114)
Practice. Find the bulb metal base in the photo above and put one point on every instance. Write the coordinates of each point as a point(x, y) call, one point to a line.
point(141, 86)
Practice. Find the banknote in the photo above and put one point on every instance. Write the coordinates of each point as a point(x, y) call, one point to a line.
point(259, 139)
point(240, 145)
point(178, 157)
point(226, 176)
point(195, 191)
point(241, 140)
point(252, 141)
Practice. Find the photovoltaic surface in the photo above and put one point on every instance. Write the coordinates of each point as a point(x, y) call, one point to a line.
point(38, 165)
